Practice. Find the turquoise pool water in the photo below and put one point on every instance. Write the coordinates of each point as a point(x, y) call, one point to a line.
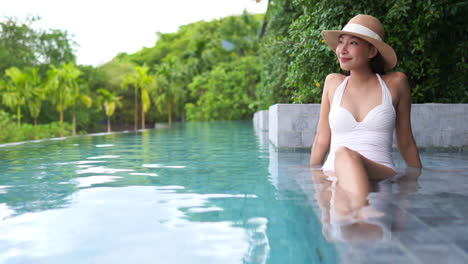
point(196, 193)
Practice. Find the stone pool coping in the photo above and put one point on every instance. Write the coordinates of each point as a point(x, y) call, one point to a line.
point(433, 125)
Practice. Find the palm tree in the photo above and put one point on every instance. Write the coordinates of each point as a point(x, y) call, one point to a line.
point(145, 83)
point(129, 80)
point(15, 91)
point(65, 90)
point(110, 102)
point(57, 90)
point(140, 80)
point(79, 96)
point(36, 93)
point(168, 88)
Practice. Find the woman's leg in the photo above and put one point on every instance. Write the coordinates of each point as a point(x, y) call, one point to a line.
point(354, 172)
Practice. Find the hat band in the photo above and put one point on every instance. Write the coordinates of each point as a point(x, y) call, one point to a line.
point(359, 29)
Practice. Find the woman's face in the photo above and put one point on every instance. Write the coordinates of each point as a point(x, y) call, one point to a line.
point(354, 53)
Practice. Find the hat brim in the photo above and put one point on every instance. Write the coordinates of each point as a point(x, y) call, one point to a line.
point(390, 58)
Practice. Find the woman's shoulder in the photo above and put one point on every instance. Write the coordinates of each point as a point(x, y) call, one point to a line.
point(395, 78)
point(396, 81)
point(336, 76)
point(333, 80)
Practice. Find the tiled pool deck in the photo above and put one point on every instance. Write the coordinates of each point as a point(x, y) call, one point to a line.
point(427, 219)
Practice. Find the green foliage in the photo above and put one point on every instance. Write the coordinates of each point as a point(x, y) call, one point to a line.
point(17, 41)
point(11, 132)
point(36, 92)
point(23, 46)
point(14, 90)
point(432, 46)
point(63, 86)
point(227, 92)
point(275, 59)
point(169, 89)
point(55, 47)
point(8, 131)
point(429, 38)
point(224, 69)
point(109, 100)
point(195, 50)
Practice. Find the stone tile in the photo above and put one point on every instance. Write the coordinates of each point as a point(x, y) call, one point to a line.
point(462, 244)
point(457, 234)
point(376, 253)
point(440, 220)
point(409, 237)
point(437, 254)
point(389, 260)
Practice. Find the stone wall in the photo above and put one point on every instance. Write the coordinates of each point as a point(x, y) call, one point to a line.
point(260, 120)
point(434, 125)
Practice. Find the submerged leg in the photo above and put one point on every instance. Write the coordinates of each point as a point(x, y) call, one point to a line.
point(352, 176)
point(354, 172)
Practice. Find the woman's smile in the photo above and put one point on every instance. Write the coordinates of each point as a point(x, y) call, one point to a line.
point(342, 59)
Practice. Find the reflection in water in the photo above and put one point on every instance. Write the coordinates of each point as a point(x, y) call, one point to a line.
point(162, 166)
point(3, 189)
point(357, 217)
point(5, 211)
point(105, 157)
point(92, 180)
point(142, 229)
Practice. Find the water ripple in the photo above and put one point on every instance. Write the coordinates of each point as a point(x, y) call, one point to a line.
point(100, 169)
point(92, 180)
point(162, 166)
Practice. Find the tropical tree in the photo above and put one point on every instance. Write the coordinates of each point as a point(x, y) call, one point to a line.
point(17, 41)
point(76, 91)
point(110, 102)
point(57, 90)
point(144, 82)
point(78, 95)
point(55, 47)
point(64, 89)
point(36, 92)
point(21, 45)
point(169, 88)
point(129, 81)
point(14, 95)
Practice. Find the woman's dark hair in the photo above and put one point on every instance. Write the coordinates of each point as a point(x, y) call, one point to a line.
point(377, 64)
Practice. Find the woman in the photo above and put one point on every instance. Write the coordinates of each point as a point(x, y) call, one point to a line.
point(359, 112)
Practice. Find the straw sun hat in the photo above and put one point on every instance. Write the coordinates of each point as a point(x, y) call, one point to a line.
point(368, 28)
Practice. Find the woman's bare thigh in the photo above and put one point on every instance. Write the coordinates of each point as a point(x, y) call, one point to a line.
point(376, 171)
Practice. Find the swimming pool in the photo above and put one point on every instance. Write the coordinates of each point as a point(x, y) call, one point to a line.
point(196, 193)
point(206, 193)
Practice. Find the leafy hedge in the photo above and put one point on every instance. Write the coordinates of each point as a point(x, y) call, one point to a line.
point(429, 38)
point(11, 132)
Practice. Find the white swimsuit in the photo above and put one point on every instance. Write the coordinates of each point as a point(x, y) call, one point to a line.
point(372, 137)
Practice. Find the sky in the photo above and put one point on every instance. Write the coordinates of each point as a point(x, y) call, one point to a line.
point(104, 28)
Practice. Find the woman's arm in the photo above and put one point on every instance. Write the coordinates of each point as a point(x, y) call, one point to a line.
point(404, 134)
point(321, 143)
